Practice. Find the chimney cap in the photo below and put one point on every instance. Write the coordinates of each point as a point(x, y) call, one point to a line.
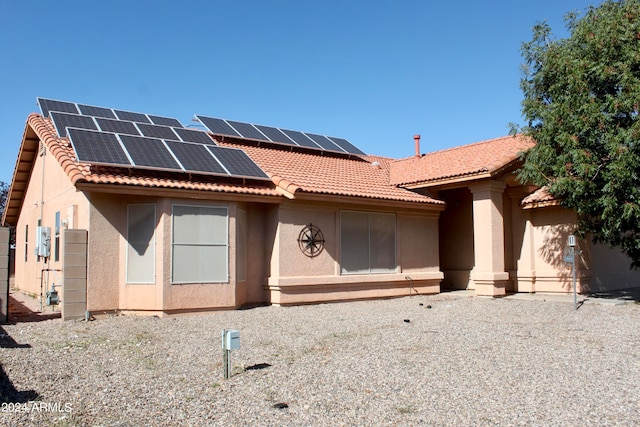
point(416, 136)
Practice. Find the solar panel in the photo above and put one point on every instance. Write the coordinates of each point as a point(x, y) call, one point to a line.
point(48, 105)
point(191, 135)
point(149, 152)
point(89, 110)
point(97, 147)
point(300, 138)
point(347, 146)
point(64, 120)
point(247, 130)
point(324, 142)
point(164, 121)
point(275, 134)
point(133, 117)
point(154, 131)
point(217, 126)
point(117, 126)
point(195, 157)
point(237, 162)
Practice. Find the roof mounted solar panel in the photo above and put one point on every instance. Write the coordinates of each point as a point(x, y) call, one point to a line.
point(155, 131)
point(237, 162)
point(218, 126)
point(300, 138)
point(64, 120)
point(149, 152)
point(98, 147)
point(89, 110)
point(324, 142)
point(164, 121)
point(195, 158)
point(248, 131)
point(133, 117)
point(347, 146)
point(48, 105)
point(192, 135)
point(275, 134)
point(117, 126)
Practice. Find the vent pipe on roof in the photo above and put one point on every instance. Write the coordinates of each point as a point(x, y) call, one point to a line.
point(416, 138)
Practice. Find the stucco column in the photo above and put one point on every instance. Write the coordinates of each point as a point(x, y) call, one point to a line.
point(523, 240)
point(488, 274)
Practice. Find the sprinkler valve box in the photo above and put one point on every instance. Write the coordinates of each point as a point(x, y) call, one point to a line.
point(231, 339)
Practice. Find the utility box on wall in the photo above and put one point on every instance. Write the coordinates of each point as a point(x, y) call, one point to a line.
point(43, 242)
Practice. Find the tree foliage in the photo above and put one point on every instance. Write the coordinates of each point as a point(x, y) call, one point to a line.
point(581, 101)
point(4, 194)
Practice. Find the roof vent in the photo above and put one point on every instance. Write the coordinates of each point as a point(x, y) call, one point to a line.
point(376, 165)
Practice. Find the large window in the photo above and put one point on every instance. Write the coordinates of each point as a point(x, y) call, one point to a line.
point(367, 242)
point(200, 244)
point(141, 253)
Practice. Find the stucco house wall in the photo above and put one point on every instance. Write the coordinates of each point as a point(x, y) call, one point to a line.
point(108, 242)
point(49, 191)
point(296, 278)
point(541, 267)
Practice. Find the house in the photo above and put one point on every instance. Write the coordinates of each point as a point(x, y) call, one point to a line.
point(123, 211)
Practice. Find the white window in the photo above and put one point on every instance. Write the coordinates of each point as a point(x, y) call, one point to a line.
point(200, 250)
point(367, 242)
point(141, 243)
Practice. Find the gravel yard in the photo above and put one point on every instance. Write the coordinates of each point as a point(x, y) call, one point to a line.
point(464, 361)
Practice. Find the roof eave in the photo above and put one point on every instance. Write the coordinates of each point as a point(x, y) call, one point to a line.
point(28, 151)
point(543, 204)
point(446, 181)
point(433, 205)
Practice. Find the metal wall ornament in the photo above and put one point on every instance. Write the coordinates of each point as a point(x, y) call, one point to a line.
point(311, 240)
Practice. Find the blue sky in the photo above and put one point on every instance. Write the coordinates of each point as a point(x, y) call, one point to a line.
point(373, 72)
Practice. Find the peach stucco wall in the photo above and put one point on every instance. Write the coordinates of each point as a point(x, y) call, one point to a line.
point(610, 269)
point(109, 290)
point(296, 278)
point(541, 267)
point(48, 192)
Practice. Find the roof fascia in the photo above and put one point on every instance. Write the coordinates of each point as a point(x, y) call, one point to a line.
point(174, 193)
point(364, 201)
point(28, 151)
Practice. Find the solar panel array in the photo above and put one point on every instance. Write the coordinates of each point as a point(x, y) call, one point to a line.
point(121, 138)
point(275, 135)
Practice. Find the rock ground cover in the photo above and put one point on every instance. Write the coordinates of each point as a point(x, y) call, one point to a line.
point(468, 361)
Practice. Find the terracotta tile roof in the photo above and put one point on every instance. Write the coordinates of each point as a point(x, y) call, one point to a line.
point(467, 161)
point(358, 176)
point(539, 198)
point(291, 173)
point(83, 172)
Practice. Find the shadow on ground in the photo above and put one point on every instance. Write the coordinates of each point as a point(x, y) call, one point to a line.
point(20, 312)
point(8, 392)
point(630, 294)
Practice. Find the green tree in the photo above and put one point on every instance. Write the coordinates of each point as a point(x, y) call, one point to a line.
point(4, 194)
point(581, 99)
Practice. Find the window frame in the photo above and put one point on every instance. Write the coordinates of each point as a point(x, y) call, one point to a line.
point(224, 277)
point(371, 248)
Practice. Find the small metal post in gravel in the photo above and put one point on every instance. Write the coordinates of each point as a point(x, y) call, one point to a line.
point(230, 341)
